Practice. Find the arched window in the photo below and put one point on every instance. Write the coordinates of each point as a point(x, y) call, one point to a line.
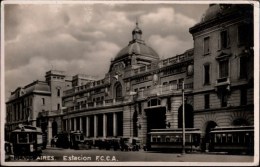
point(118, 88)
point(154, 102)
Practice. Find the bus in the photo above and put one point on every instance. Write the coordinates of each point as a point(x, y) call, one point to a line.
point(171, 139)
point(27, 140)
point(232, 139)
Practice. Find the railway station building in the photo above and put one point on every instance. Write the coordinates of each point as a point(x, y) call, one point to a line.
point(141, 91)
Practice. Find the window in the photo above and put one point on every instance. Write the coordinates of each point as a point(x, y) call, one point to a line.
point(206, 74)
point(136, 90)
point(118, 91)
point(223, 68)
point(206, 45)
point(223, 100)
point(206, 101)
point(43, 101)
point(242, 34)
point(154, 102)
point(243, 67)
point(165, 83)
point(58, 92)
point(243, 96)
point(173, 82)
point(58, 106)
point(224, 39)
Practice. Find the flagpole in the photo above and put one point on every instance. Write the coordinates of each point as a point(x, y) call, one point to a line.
point(183, 120)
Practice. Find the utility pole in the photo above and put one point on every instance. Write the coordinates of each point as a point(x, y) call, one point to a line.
point(183, 120)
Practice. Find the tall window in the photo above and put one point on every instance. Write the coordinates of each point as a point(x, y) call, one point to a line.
point(206, 45)
point(243, 67)
point(223, 68)
point(242, 34)
point(43, 101)
point(224, 39)
point(206, 101)
point(118, 91)
point(58, 92)
point(58, 106)
point(223, 99)
point(243, 96)
point(206, 74)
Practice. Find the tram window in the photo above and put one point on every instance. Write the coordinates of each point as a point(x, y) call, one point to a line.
point(77, 138)
point(167, 139)
point(235, 138)
point(39, 138)
point(22, 138)
point(229, 138)
point(247, 138)
point(81, 137)
point(218, 138)
point(224, 138)
point(241, 138)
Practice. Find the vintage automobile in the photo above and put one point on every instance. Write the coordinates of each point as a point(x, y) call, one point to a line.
point(130, 144)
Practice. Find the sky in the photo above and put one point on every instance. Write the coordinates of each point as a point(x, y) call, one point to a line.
point(84, 38)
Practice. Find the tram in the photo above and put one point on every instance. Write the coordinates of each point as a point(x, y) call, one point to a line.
point(77, 140)
point(171, 139)
point(27, 140)
point(233, 139)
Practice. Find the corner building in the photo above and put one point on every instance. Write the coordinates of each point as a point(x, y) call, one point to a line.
point(223, 68)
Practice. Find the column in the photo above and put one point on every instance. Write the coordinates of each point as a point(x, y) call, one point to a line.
point(104, 125)
point(114, 124)
point(49, 131)
point(80, 123)
point(87, 126)
point(66, 125)
point(70, 124)
point(75, 124)
point(95, 126)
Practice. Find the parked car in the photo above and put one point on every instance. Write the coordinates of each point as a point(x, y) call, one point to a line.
point(130, 144)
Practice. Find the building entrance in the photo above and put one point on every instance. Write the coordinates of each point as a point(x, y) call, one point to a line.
point(156, 118)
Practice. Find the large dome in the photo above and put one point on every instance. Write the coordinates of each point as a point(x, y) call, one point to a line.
point(137, 46)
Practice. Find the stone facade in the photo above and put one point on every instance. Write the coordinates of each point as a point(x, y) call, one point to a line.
point(141, 92)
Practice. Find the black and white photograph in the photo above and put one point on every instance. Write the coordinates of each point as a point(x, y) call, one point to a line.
point(129, 83)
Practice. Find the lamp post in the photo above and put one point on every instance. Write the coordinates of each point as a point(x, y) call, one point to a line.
point(183, 120)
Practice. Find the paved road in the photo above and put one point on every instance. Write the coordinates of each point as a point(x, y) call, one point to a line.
point(95, 155)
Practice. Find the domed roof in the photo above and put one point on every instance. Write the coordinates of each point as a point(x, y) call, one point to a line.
point(137, 46)
point(216, 10)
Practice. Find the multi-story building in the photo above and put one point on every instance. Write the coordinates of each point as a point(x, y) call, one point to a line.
point(140, 92)
point(223, 67)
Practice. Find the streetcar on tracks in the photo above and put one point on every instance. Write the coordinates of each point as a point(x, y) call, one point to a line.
point(172, 139)
point(27, 140)
point(77, 140)
point(232, 139)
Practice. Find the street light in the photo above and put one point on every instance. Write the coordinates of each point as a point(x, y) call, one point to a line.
point(183, 120)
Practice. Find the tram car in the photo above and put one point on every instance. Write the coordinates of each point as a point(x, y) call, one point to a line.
point(171, 139)
point(77, 140)
point(27, 140)
point(232, 139)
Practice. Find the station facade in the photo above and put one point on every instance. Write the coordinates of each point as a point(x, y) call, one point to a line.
point(141, 92)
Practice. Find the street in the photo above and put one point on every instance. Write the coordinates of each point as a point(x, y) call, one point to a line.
point(94, 155)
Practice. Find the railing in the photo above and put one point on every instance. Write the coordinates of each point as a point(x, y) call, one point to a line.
point(84, 87)
point(159, 90)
